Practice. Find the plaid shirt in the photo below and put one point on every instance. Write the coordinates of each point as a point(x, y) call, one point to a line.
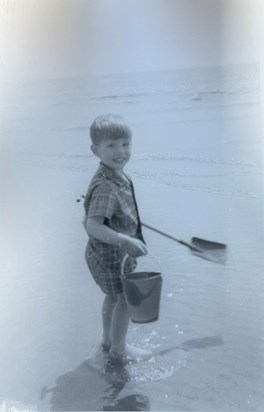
point(112, 197)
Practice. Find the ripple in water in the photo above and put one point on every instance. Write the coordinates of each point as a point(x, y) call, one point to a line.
point(149, 371)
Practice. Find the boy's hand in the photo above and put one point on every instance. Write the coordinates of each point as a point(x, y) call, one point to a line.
point(96, 228)
point(135, 247)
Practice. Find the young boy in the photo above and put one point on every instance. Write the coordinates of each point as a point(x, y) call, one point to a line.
point(113, 225)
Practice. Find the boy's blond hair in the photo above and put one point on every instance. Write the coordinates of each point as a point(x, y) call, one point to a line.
point(109, 127)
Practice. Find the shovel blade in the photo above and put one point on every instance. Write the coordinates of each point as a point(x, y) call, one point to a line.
point(212, 251)
point(207, 244)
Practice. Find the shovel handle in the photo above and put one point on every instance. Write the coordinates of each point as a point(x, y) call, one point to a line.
point(182, 242)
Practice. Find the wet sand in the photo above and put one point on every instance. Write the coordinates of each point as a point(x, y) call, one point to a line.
point(197, 171)
point(50, 309)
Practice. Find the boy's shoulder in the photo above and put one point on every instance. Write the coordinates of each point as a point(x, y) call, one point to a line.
point(99, 180)
point(102, 182)
point(107, 177)
point(99, 187)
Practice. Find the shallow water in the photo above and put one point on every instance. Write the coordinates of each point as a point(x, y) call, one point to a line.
point(197, 169)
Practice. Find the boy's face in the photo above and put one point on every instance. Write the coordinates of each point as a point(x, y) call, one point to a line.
point(114, 153)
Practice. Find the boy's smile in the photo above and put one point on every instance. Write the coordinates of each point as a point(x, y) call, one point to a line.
point(114, 153)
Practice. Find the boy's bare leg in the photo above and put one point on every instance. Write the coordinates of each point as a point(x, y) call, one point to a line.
point(120, 322)
point(109, 304)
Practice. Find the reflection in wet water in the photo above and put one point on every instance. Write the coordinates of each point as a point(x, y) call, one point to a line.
point(199, 343)
point(130, 403)
point(95, 385)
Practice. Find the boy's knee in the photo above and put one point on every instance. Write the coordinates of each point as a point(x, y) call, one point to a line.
point(121, 300)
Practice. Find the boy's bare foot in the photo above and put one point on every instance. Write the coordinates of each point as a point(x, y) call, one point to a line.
point(105, 347)
point(131, 354)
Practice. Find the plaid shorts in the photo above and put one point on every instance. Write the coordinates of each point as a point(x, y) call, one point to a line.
point(110, 196)
point(105, 266)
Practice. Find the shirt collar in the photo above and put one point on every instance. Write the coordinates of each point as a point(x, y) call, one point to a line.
point(109, 173)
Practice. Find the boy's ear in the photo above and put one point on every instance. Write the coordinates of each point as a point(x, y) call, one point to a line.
point(94, 149)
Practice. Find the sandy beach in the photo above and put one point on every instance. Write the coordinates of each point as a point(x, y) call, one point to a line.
point(197, 171)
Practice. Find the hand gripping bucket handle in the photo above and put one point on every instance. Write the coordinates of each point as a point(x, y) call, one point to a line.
point(142, 290)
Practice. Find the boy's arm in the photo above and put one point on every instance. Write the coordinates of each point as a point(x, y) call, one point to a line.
point(96, 228)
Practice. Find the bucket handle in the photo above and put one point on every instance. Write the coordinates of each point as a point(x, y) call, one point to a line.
point(127, 256)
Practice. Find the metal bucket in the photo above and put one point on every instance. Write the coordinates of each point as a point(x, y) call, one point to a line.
point(142, 292)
